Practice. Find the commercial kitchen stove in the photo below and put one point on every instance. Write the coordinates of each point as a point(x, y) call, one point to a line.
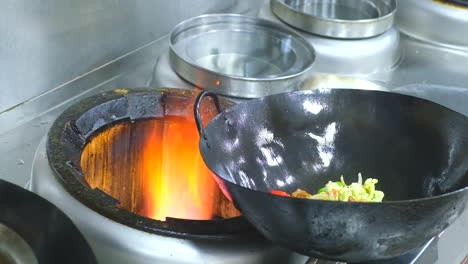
point(426, 68)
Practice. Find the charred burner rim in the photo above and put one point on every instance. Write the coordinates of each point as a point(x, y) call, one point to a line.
point(75, 127)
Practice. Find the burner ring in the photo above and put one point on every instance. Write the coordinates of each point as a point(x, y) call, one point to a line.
point(69, 134)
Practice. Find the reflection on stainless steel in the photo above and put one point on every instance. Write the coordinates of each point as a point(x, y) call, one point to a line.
point(434, 21)
point(425, 63)
point(340, 10)
point(452, 97)
point(370, 58)
point(13, 248)
point(238, 55)
point(347, 19)
point(48, 43)
point(331, 81)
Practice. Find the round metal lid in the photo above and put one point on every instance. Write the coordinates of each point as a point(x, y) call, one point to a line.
point(239, 55)
point(345, 19)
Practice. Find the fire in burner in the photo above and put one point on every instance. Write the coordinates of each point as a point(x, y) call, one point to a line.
point(154, 168)
point(176, 181)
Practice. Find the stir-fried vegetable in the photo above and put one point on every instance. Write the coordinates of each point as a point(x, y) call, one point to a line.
point(340, 191)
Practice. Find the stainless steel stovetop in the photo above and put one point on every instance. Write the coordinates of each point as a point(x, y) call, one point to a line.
point(441, 68)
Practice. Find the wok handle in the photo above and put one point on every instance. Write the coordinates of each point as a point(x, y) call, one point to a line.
point(198, 118)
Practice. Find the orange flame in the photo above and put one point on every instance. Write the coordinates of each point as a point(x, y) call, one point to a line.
point(176, 181)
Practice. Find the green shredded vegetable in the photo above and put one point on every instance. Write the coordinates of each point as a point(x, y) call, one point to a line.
point(340, 191)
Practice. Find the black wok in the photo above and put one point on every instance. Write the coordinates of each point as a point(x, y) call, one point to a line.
point(42, 227)
point(417, 149)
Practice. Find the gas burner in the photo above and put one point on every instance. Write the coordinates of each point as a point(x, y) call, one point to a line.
point(106, 164)
point(128, 153)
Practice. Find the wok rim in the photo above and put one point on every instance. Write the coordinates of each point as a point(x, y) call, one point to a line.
point(393, 202)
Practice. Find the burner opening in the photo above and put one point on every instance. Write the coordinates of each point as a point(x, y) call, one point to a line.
point(153, 167)
point(132, 156)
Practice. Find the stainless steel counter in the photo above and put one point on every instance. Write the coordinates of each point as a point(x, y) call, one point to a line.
point(49, 42)
point(22, 127)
